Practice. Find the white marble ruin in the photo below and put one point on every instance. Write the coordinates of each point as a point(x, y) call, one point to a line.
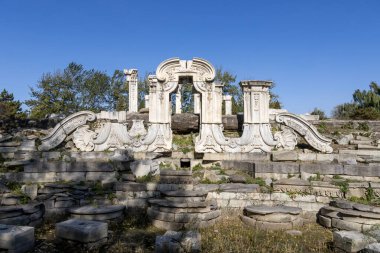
point(146, 97)
point(197, 103)
point(110, 130)
point(132, 79)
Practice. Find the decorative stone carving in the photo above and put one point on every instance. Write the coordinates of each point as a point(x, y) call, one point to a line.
point(83, 138)
point(306, 130)
point(131, 77)
point(64, 128)
point(287, 139)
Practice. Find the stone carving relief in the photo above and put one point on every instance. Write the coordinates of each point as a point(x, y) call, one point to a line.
point(306, 130)
point(287, 139)
point(64, 128)
point(112, 132)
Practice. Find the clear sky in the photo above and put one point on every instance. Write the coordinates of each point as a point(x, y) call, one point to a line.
point(316, 51)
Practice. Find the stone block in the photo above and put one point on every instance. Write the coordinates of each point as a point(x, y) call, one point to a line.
point(276, 167)
point(16, 239)
point(176, 242)
point(99, 166)
point(325, 158)
point(323, 169)
point(142, 168)
point(362, 170)
point(47, 177)
point(280, 156)
point(104, 177)
point(351, 241)
point(239, 165)
point(307, 157)
point(53, 155)
point(71, 176)
point(324, 221)
point(130, 186)
point(345, 225)
point(30, 190)
point(372, 248)
point(83, 231)
point(236, 157)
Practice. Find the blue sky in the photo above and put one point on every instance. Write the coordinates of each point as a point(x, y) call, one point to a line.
point(316, 51)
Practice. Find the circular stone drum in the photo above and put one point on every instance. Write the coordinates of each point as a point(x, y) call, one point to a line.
point(272, 217)
point(102, 213)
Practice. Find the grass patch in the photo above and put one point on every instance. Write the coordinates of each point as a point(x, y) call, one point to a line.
point(148, 178)
point(231, 235)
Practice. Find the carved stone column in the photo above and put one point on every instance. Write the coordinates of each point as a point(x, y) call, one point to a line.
point(197, 103)
point(178, 103)
point(257, 133)
point(146, 101)
point(227, 104)
point(131, 77)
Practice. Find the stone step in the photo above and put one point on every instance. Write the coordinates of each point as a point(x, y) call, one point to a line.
point(194, 193)
point(167, 203)
point(16, 163)
point(361, 142)
point(263, 209)
point(360, 152)
point(10, 144)
point(371, 147)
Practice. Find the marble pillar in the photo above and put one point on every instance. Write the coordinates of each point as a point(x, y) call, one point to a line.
point(227, 104)
point(146, 101)
point(131, 78)
point(197, 103)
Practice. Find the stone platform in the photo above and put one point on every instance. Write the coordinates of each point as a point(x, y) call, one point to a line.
point(345, 215)
point(101, 213)
point(183, 210)
point(16, 239)
point(272, 217)
point(84, 233)
point(31, 214)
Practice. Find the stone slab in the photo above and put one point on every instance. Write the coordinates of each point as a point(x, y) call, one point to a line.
point(263, 209)
point(16, 238)
point(83, 231)
point(351, 241)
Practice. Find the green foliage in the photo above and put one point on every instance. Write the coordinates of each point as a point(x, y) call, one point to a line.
point(363, 126)
point(317, 111)
point(143, 84)
point(10, 110)
point(184, 143)
point(343, 186)
point(197, 167)
point(322, 127)
point(75, 89)
point(257, 180)
point(365, 105)
point(165, 165)
point(147, 178)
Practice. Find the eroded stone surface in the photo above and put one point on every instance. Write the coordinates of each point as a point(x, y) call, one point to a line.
point(263, 209)
point(351, 241)
point(17, 239)
point(83, 231)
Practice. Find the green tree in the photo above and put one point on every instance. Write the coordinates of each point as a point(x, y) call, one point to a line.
point(317, 111)
point(9, 108)
point(75, 89)
point(143, 89)
point(118, 99)
point(365, 105)
point(230, 88)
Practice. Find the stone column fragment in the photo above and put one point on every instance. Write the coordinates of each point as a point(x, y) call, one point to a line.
point(227, 104)
point(131, 78)
point(197, 103)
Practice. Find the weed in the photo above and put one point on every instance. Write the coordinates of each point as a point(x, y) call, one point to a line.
point(363, 126)
point(147, 178)
point(348, 125)
point(198, 167)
